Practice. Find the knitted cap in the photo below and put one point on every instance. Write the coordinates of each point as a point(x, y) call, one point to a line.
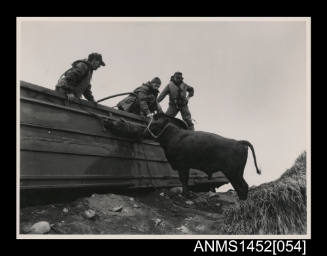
point(178, 73)
point(96, 56)
point(156, 80)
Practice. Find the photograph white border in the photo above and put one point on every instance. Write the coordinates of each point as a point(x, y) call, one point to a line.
point(307, 20)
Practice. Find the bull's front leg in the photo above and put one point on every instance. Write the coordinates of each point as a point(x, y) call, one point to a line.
point(183, 177)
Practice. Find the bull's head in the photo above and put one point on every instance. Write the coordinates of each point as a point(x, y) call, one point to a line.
point(158, 124)
point(161, 121)
point(124, 129)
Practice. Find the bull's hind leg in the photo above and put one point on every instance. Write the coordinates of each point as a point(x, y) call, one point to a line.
point(244, 188)
point(240, 185)
point(183, 177)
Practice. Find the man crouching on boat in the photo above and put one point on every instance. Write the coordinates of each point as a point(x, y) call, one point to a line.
point(143, 101)
point(75, 82)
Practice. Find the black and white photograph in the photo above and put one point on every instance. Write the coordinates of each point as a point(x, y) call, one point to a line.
point(163, 127)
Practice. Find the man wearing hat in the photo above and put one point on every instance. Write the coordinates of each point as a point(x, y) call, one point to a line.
point(75, 82)
point(179, 94)
point(144, 101)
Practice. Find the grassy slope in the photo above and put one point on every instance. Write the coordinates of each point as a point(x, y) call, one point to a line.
point(277, 207)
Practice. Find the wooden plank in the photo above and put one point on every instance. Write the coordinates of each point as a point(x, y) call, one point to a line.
point(90, 177)
point(53, 116)
point(41, 129)
point(30, 130)
point(33, 91)
point(130, 183)
point(42, 163)
point(162, 176)
point(77, 185)
point(113, 149)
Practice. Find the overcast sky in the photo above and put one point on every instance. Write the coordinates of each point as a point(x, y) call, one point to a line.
point(249, 76)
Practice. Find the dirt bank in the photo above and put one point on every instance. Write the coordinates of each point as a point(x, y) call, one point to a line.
point(157, 212)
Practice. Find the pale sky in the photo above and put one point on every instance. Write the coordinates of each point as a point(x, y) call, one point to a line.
point(249, 77)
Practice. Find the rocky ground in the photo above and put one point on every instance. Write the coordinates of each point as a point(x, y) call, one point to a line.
point(157, 212)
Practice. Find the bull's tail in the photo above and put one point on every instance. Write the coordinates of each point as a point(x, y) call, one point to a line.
point(244, 142)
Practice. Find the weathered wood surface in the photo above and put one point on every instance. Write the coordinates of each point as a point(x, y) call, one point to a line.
point(64, 145)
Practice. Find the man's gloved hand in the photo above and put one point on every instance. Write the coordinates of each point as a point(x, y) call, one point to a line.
point(150, 115)
point(70, 96)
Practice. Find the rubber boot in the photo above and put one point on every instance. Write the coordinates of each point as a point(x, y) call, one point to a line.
point(190, 125)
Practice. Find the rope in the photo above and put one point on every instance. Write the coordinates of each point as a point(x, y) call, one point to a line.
point(148, 128)
point(151, 133)
point(115, 95)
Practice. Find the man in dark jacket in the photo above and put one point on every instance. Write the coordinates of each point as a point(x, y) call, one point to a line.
point(144, 101)
point(75, 82)
point(179, 94)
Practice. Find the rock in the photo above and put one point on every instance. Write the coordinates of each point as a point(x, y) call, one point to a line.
point(65, 210)
point(227, 198)
point(125, 211)
point(40, 212)
point(212, 194)
point(131, 199)
point(176, 190)
point(75, 227)
point(79, 205)
point(189, 202)
point(183, 229)
point(162, 194)
point(117, 209)
point(218, 204)
point(26, 229)
point(157, 221)
point(200, 200)
point(136, 206)
point(200, 228)
point(111, 204)
point(41, 227)
point(89, 214)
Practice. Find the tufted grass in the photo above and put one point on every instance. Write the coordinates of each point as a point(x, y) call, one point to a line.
point(275, 208)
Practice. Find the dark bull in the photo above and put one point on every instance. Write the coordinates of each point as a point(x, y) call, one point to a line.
point(204, 151)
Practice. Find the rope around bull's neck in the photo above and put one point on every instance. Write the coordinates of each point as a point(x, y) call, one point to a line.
point(151, 133)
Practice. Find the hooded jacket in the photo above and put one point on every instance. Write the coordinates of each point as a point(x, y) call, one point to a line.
point(143, 103)
point(177, 93)
point(77, 80)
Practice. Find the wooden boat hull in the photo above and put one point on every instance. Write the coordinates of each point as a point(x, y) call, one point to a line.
point(63, 145)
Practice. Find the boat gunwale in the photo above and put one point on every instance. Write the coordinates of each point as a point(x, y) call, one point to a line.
point(44, 90)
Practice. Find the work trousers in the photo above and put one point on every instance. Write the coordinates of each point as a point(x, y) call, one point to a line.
point(185, 113)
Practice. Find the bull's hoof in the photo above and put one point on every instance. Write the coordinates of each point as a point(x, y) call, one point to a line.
point(243, 197)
